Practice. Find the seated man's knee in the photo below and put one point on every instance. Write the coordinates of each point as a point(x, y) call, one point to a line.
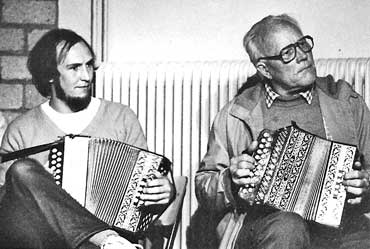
point(286, 230)
point(23, 169)
point(291, 222)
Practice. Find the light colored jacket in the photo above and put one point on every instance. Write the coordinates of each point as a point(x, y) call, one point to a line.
point(346, 119)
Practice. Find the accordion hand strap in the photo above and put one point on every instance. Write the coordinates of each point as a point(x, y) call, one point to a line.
point(28, 151)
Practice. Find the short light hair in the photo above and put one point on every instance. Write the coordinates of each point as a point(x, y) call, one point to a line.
point(255, 39)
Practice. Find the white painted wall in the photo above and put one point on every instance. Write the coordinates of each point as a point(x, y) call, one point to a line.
point(142, 30)
point(76, 15)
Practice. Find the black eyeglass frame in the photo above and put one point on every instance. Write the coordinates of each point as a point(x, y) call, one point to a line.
point(294, 45)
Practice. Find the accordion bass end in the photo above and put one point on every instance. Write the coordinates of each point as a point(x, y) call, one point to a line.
point(302, 173)
point(106, 177)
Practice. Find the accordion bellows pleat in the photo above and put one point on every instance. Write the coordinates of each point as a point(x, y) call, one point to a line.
point(104, 176)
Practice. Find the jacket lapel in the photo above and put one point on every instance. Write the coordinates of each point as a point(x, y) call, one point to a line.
point(247, 107)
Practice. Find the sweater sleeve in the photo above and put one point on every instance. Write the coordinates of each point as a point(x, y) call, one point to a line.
point(117, 121)
point(3, 124)
point(11, 141)
point(134, 134)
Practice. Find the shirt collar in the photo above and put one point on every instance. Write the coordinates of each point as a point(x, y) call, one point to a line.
point(271, 95)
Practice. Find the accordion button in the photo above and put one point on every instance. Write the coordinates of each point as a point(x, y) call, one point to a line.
point(59, 153)
point(243, 190)
point(57, 182)
point(58, 165)
point(57, 177)
point(53, 156)
point(54, 150)
point(263, 140)
point(140, 188)
point(269, 139)
point(135, 200)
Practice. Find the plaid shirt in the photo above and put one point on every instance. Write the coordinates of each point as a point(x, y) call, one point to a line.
point(271, 95)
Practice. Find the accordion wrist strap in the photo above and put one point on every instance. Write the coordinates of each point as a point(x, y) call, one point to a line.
point(26, 152)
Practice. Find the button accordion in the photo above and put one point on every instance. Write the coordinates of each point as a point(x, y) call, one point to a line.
point(104, 176)
point(300, 173)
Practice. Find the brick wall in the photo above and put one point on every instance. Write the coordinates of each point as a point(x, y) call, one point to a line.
point(22, 22)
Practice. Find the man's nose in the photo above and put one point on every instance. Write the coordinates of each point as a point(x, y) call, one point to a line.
point(85, 73)
point(301, 55)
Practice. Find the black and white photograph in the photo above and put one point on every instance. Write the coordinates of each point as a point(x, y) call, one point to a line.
point(184, 124)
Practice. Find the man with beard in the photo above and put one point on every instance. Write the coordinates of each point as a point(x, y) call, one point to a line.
point(34, 211)
point(286, 88)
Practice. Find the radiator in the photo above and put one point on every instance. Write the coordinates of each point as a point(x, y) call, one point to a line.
point(176, 103)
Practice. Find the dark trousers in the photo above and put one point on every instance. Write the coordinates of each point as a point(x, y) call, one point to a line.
point(350, 236)
point(269, 228)
point(266, 228)
point(37, 213)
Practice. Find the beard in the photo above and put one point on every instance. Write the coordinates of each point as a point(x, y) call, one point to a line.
point(76, 104)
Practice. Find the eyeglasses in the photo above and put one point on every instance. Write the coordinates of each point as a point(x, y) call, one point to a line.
point(288, 53)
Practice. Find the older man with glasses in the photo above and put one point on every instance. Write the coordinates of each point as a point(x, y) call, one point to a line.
point(285, 89)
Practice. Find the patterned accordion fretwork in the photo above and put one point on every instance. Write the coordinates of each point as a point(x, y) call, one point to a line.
point(301, 173)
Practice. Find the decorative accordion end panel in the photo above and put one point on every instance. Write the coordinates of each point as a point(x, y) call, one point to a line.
point(106, 176)
point(302, 173)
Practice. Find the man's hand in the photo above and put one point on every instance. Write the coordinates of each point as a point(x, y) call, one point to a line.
point(241, 167)
point(356, 183)
point(158, 190)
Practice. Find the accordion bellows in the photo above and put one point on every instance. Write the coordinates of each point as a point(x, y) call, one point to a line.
point(301, 173)
point(104, 176)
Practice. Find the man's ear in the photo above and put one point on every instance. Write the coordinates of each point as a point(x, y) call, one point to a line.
point(262, 68)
